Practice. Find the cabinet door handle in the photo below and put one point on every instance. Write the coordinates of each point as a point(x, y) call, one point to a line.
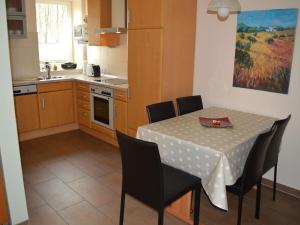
point(43, 103)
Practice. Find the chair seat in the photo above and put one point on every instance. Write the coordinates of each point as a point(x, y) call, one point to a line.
point(235, 188)
point(177, 183)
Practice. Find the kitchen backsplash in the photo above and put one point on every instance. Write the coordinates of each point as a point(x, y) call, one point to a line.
point(24, 56)
point(111, 60)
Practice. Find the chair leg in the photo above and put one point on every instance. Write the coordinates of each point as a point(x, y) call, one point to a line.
point(240, 210)
point(197, 205)
point(122, 208)
point(274, 182)
point(258, 195)
point(161, 217)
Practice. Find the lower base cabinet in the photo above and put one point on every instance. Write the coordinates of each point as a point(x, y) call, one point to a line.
point(84, 117)
point(83, 104)
point(121, 116)
point(56, 108)
point(27, 113)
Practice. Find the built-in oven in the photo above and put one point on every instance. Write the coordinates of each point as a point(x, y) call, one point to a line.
point(102, 106)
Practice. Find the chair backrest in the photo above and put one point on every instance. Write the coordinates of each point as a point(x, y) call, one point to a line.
point(142, 170)
point(160, 111)
point(253, 169)
point(189, 104)
point(274, 147)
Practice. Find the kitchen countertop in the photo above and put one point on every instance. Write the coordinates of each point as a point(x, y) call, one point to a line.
point(76, 77)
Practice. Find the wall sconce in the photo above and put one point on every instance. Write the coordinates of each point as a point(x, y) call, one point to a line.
point(224, 7)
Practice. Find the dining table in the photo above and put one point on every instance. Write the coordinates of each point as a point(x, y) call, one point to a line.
point(216, 155)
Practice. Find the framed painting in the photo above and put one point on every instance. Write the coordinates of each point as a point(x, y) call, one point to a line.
point(264, 49)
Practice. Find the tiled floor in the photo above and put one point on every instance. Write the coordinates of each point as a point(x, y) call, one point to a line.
point(75, 179)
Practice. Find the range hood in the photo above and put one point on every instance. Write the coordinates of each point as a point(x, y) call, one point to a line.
point(116, 30)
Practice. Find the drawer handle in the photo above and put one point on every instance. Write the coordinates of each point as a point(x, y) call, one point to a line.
point(81, 86)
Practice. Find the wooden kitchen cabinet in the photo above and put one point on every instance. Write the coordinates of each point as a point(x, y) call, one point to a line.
point(27, 112)
point(143, 73)
point(120, 102)
point(145, 13)
point(56, 108)
point(121, 116)
point(160, 60)
point(99, 16)
point(83, 104)
point(83, 117)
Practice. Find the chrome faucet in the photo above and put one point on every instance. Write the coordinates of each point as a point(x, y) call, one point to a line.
point(48, 69)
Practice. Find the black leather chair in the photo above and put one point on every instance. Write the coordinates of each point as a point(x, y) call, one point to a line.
point(160, 111)
point(273, 151)
point(148, 180)
point(189, 104)
point(252, 173)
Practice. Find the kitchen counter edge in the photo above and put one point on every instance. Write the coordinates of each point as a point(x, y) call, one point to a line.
point(81, 78)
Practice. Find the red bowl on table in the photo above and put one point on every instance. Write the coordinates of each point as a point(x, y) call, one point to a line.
point(215, 122)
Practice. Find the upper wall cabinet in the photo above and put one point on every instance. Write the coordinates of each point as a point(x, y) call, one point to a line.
point(16, 18)
point(104, 14)
point(144, 14)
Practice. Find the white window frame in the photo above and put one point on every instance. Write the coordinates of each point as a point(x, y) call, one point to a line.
point(70, 17)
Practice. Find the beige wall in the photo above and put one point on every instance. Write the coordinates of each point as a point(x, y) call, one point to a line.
point(24, 52)
point(215, 47)
point(112, 60)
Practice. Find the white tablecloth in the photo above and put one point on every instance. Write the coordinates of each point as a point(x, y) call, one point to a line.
point(216, 155)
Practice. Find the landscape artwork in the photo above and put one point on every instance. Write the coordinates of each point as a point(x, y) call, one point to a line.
point(264, 49)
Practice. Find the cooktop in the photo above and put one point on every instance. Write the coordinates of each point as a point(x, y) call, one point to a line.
point(113, 81)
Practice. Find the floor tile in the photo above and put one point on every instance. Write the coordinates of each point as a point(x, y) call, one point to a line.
point(36, 173)
point(112, 181)
point(89, 165)
point(45, 216)
point(65, 170)
point(113, 159)
point(33, 199)
point(57, 194)
point(84, 213)
point(111, 210)
point(93, 191)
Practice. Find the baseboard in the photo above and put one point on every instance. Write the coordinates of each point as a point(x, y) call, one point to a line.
point(282, 188)
point(46, 132)
point(99, 135)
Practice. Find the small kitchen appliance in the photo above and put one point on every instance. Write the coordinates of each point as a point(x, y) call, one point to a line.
point(93, 70)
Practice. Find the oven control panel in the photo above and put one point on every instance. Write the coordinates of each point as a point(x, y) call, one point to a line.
point(95, 89)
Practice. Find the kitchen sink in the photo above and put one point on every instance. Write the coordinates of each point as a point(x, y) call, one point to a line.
point(52, 78)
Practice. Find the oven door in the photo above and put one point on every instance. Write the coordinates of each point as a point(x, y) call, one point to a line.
point(102, 110)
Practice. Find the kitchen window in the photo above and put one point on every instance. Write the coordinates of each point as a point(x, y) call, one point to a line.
point(54, 26)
